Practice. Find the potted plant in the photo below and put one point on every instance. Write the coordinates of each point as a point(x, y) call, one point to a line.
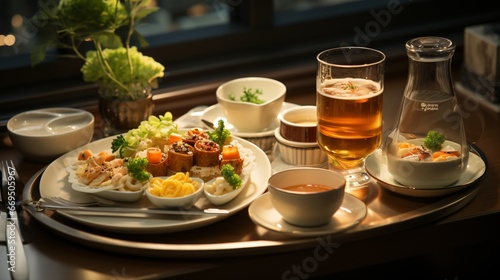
point(101, 32)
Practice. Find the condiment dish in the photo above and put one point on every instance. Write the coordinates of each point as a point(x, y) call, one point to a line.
point(299, 153)
point(249, 116)
point(185, 202)
point(299, 124)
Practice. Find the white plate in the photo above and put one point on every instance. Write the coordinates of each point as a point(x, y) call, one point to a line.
point(214, 113)
point(54, 182)
point(376, 166)
point(352, 212)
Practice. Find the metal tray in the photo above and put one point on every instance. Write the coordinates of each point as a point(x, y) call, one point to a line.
point(238, 236)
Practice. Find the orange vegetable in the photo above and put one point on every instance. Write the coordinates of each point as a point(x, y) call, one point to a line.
point(154, 155)
point(174, 137)
point(230, 152)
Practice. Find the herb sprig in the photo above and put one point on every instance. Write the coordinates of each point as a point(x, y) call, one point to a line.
point(249, 96)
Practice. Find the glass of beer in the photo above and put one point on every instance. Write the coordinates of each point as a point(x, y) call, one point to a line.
point(349, 86)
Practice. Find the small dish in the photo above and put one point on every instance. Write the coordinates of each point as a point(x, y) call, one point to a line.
point(352, 212)
point(121, 196)
point(176, 202)
point(376, 166)
point(43, 135)
point(299, 124)
point(253, 116)
point(299, 153)
point(224, 198)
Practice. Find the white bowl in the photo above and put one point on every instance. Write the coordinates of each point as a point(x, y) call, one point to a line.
point(184, 202)
point(251, 117)
point(120, 196)
point(223, 198)
point(307, 208)
point(299, 153)
point(45, 134)
point(424, 174)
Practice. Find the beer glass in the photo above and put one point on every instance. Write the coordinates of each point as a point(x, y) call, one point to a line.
point(349, 86)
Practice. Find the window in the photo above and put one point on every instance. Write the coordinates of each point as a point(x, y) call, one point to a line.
point(212, 40)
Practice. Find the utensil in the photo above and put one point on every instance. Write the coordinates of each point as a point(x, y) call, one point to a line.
point(17, 262)
point(57, 203)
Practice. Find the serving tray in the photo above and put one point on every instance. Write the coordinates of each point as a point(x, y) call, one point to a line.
point(238, 236)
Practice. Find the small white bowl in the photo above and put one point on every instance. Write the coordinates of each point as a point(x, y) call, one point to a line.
point(184, 202)
point(314, 207)
point(299, 153)
point(120, 196)
point(45, 134)
point(424, 174)
point(251, 117)
point(224, 198)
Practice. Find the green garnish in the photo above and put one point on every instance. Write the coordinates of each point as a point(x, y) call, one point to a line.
point(249, 96)
point(118, 144)
point(137, 168)
point(220, 134)
point(232, 178)
point(434, 140)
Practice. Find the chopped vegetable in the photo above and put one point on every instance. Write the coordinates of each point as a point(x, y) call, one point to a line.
point(154, 155)
point(147, 134)
point(137, 168)
point(232, 178)
point(249, 96)
point(220, 134)
point(174, 137)
point(230, 152)
point(434, 140)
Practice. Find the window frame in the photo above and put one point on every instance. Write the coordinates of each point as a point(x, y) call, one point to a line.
point(257, 41)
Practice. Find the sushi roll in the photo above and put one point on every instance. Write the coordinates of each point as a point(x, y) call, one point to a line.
point(180, 157)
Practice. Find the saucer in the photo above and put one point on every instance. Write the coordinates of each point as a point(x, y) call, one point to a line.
point(214, 113)
point(376, 166)
point(351, 213)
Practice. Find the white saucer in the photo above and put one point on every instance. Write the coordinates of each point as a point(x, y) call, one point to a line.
point(351, 212)
point(376, 166)
point(214, 113)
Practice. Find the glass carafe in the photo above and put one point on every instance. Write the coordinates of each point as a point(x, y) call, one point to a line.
point(428, 146)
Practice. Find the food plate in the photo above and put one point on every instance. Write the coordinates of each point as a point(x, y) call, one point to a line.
point(54, 182)
point(351, 212)
point(376, 166)
point(213, 113)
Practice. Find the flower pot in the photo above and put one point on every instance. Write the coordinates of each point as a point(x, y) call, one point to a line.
point(120, 116)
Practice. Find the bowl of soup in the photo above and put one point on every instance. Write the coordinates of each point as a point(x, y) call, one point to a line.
point(307, 196)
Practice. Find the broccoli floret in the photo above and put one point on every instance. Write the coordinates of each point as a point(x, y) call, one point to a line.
point(220, 134)
point(434, 140)
point(232, 178)
point(137, 168)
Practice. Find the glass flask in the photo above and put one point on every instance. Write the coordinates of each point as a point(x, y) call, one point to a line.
point(428, 146)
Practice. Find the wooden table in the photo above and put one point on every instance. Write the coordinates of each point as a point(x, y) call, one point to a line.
point(464, 243)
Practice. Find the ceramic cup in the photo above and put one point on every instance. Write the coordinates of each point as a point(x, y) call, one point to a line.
point(307, 196)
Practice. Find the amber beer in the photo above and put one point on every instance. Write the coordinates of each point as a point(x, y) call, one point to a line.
point(349, 120)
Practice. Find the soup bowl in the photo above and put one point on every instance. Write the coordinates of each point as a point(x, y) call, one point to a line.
point(306, 196)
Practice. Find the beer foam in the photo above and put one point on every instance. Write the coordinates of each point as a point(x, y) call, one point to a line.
point(350, 88)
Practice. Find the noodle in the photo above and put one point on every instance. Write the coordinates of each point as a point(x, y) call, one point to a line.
point(177, 185)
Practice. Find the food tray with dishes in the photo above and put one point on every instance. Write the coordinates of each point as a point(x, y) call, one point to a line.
point(251, 228)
